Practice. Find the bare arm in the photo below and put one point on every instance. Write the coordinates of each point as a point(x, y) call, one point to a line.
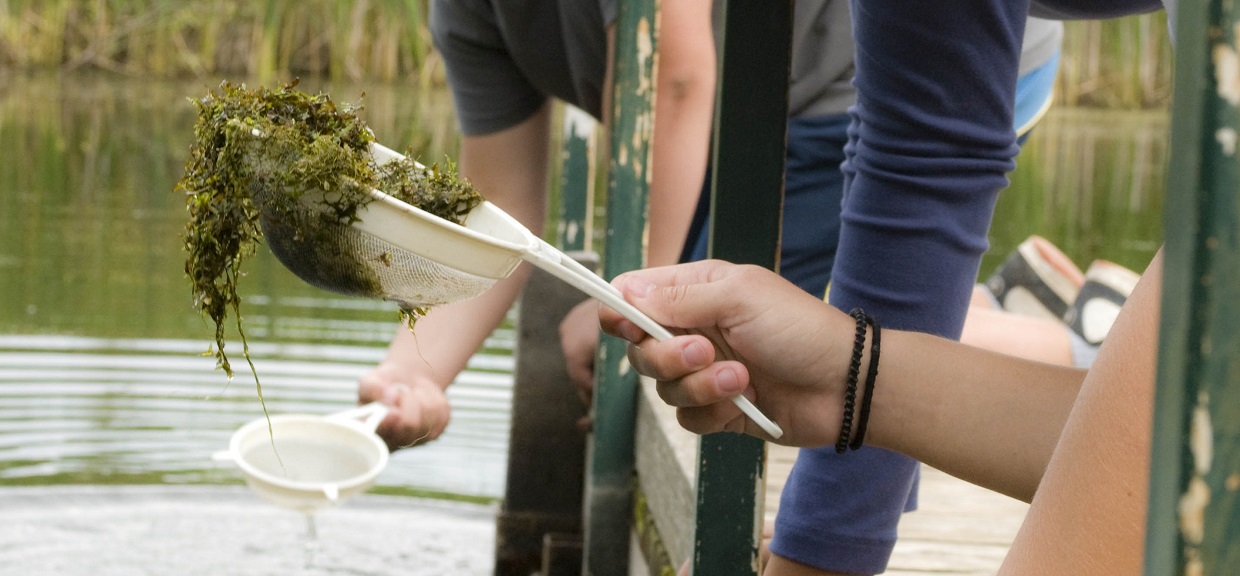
point(1102, 461)
point(985, 417)
point(988, 418)
point(509, 168)
point(685, 92)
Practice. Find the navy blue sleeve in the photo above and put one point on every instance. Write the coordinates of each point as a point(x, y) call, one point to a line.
point(931, 143)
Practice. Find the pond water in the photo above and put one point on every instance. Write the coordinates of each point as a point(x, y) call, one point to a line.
point(103, 385)
point(1091, 181)
point(158, 530)
point(109, 412)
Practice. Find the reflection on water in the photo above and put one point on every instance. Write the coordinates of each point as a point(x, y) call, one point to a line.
point(1091, 181)
point(102, 380)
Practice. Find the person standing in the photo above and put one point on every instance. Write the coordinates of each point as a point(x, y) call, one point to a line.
point(505, 62)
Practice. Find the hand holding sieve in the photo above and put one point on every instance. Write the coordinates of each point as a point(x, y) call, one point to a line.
point(399, 252)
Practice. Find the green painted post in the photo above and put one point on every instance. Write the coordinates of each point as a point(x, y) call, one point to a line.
point(574, 225)
point(609, 489)
point(746, 210)
point(1194, 511)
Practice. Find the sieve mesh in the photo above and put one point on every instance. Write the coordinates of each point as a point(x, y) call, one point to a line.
point(341, 258)
point(332, 254)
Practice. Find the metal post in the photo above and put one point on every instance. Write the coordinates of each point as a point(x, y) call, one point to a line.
point(751, 116)
point(1195, 467)
point(609, 490)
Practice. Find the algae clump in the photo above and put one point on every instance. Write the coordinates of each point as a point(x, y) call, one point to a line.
point(255, 153)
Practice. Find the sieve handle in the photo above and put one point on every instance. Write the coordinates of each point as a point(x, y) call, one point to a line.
point(370, 415)
point(550, 259)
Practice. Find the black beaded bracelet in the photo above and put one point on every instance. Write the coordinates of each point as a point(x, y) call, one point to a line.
point(871, 377)
point(850, 391)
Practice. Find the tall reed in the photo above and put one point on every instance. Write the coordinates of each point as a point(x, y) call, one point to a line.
point(1093, 182)
point(1119, 63)
point(378, 39)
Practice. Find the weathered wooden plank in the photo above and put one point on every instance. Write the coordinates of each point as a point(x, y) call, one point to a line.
point(959, 528)
point(666, 454)
point(546, 450)
point(916, 557)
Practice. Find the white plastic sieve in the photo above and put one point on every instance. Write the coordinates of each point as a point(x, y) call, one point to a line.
point(422, 260)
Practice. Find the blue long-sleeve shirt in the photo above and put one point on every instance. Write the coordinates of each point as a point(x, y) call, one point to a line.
point(930, 144)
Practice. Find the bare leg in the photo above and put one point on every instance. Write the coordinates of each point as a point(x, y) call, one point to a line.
point(981, 298)
point(1025, 336)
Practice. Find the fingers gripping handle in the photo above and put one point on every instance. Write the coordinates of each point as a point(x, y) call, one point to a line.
point(561, 266)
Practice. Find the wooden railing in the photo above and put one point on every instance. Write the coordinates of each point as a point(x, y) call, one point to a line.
point(639, 496)
point(748, 160)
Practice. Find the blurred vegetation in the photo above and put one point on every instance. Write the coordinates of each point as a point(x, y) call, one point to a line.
point(1092, 182)
point(1122, 63)
point(374, 39)
point(89, 214)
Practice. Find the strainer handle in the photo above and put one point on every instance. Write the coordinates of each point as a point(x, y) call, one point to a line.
point(370, 414)
point(560, 265)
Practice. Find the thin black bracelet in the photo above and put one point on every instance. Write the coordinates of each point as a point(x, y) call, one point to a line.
point(871, 377)
point(850, 392)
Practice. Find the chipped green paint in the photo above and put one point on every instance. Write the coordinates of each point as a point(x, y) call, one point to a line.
point(1194, 509)
point(574, 226)
point(1196, 497)
point(610, 468)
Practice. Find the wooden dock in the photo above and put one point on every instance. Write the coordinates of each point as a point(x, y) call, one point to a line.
point(958, 529)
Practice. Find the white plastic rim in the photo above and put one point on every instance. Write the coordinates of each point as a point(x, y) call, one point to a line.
point(343, 433)
point(489, 244)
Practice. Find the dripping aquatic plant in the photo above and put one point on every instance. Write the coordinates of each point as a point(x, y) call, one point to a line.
point(262, 149)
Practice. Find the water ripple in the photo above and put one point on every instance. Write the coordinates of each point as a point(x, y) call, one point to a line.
point(97, 410)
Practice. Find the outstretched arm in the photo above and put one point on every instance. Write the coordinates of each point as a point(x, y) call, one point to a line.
point(509, 168)
point(990, 419)
point(1102, 461)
